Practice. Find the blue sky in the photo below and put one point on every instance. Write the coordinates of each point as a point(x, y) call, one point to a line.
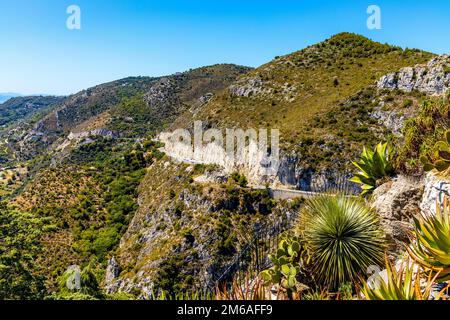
point(120, 38)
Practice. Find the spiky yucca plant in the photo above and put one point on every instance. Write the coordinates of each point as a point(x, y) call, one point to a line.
point(431, 245)
point(344, 238)
point(401, 285)
point(373, 166)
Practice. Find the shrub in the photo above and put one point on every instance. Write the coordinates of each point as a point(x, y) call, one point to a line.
point(343, 236)
point(373, 165)
point(88, 289)
point(447, 69)
point(421, 134)
point(19, 247)
point(407, 103)
point(240, 179)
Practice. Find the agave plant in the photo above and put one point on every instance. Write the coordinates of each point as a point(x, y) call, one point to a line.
point(252, 288)
point(431, 246)
point(441, 156)
point(399, 284)
point(373, 166)
point(343, 236)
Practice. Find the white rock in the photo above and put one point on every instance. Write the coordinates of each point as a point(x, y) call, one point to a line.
point(436, 190)
point(431, 78)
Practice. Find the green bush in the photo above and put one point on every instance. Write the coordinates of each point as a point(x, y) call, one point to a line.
point(89, 287)
point(19, 247)
point(240, 179)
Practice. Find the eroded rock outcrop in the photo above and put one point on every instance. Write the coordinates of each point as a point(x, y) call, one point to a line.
point(432, 78)
point(397, 202)
point(259, 168)
point(112, 272)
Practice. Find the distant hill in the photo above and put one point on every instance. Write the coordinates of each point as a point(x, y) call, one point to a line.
point(133, 107)
point(18, 108)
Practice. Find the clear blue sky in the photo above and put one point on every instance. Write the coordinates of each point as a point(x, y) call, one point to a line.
point(121, 38)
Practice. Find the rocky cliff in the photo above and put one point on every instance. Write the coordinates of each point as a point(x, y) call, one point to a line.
point(186, 234)
point(432, 78)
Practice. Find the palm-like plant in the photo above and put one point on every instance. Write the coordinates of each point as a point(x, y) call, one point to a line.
point(373, 166)
point(344, 238)
point(431, 246)
point(399, 284)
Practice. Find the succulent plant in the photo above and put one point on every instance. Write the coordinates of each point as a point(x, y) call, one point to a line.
point(287, 263)
point(402, 284)
point(431, 245)
point(441, 156)
point(373, 166)
point(344, 238)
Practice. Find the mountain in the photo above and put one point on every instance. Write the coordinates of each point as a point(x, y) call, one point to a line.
point(93, 142)
point(134, 106)
point(328, 104)
point(19, 108)
point(320, 98)
point(93, 167)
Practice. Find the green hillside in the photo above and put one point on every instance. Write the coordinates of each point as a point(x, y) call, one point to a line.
point(289, 91)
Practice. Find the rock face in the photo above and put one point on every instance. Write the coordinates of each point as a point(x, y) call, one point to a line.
point(251, 159)
point(392, 120)
point(181, 229)
point(112, 273)
point(432, 79)
point(85, 137)
point(258, 167)
point(436, 190)
point(255, 87)
point(397, 202)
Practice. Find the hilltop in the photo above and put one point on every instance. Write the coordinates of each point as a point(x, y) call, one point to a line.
point(321, 99)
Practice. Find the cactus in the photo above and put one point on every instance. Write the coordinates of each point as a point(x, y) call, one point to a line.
point(287, 262)
point(441, 156)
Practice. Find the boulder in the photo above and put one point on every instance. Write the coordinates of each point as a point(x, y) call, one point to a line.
point(397, 202)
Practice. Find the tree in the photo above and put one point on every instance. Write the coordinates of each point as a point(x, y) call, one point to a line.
point(19, 246)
